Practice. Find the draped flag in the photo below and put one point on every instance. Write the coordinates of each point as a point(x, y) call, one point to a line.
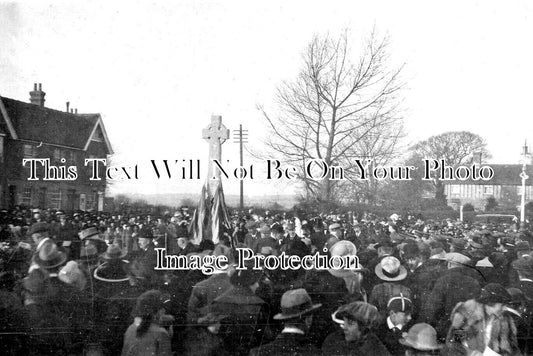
point(200, 219)
point(220, 221)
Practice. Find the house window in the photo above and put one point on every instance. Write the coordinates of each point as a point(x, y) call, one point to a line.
point(72, 157)
point(29, 151)
point(98, 137)
point(488, 189)
point(57, 154)
point(456, 188)
point(89, 202)
point(55, 199)
point(26, 196)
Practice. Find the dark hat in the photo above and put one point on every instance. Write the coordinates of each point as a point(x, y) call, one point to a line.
point(400, 303)
point(244, 277)
point(476, 242)
point(494, 293)
point(411, 250)
point(384, 241)
point(422, 337)
point(459, 244)
point(211, 318)
point(114, 252)
point(522, 246)
point(145, 233)
point(524, 263)
point(49, 256)
point(39, 227)
point(390, 269)
point(295, 303)
point(112, 272)
point(277, 228)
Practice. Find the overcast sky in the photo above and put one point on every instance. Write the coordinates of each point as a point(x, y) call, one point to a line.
point(157, 71)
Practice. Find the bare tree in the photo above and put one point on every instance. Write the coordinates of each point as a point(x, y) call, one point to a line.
point(456, 148)
point(341, 107)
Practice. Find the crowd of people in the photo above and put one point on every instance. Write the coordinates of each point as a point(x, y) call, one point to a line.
point(86, 283)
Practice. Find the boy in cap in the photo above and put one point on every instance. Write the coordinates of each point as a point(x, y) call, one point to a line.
point(399, 310)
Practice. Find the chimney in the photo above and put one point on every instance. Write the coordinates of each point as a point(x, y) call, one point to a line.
point(68, 104)
point(37, 95)
point(76, 111)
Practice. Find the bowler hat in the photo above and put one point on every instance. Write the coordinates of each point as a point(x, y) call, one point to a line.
point(295, 303)
point(421, 337)
point(390, 269)
point(145, 233)
point(494, 293)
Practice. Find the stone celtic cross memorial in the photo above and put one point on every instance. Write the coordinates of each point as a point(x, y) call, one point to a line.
point(216, 134)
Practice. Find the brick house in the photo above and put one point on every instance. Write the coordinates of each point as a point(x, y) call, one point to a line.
point(505, 187)
point(31, 130)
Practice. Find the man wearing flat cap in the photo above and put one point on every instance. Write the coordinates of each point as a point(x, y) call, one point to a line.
point(297, 316)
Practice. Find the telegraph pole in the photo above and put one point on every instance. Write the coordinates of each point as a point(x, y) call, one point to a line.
point(240, 136)
point(524, 177)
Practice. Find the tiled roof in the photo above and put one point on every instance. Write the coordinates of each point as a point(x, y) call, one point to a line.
point(41, 124)
point(504, 174)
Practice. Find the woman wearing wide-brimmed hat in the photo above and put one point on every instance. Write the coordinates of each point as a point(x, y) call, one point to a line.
point(421, 340)
point(358, 321)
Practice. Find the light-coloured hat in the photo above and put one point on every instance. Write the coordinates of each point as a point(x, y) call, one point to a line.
point(335, 226)
point(390, 269)
point(71, 274)
point(422, 337)
point(49, 256)
point(457, 258)
point(90, 233)
point(295, 303)
point(343, 248)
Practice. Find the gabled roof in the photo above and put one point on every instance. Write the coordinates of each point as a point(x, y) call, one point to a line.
point(40, 124)
point(504, 174)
